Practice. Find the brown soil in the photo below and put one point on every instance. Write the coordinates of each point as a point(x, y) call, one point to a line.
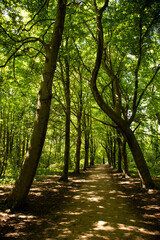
point(98, 204)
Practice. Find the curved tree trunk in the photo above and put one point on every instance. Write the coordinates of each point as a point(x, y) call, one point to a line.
point(122, 124)
point(19, 192)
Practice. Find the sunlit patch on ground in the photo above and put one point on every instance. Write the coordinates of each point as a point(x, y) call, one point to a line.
point(77, 197)
point(101, 225)
point(94, 199)
point(151, 207)
point(100, 207)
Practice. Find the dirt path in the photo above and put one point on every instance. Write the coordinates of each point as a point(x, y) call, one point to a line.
point(91, 206)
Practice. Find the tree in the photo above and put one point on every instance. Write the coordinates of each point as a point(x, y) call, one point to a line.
point(22, 185)
point(79, 124)
point(121, 123)
point(66, 84)
point(87, 135)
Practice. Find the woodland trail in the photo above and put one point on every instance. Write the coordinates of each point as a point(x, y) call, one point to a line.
point(90, 206)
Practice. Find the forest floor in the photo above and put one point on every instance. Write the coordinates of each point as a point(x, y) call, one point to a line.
point(97, 204)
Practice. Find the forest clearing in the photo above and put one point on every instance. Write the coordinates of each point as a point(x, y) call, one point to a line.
point(97, 204)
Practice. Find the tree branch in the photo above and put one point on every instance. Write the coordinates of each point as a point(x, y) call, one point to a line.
point(98, 120)
point(28, 48)
point(47, 30)
point(41, 20)
point(134, 109)
point(22, 40)
point(104, 6)
point(7, 33)
point(37, 13)
point(150, 25)
point(90, 31)
point(18, 48)
point(144, 90)
point(81, 59)
point(101, 10)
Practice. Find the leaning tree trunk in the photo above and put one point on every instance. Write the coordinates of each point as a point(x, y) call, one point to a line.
point(122, 124)
point(19, 192)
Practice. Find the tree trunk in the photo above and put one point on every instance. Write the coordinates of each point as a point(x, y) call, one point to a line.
point(19, 192)
point(67, 125)
point(79, 125)
point(124, 159)
point(114, 152)
point(108, 157)
point(108, 147)
point(119, 152)
point(86, 132)
point(78, 146)
point(122, 124)
point(92, 151)
point(111, 151)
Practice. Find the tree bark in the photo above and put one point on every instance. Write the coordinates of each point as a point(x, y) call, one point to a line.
point(19, 192)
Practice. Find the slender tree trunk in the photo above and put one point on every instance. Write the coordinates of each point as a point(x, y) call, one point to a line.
point(111, 151)
point(114, 152)
point(108, 157)
point(23, 144)
point(119, 152)
point(108, 148)
point(92, 151)
point(86, 132)
point(79, 126)
point(19, 192)
point(67, 125)
point(78, 146)
point(124, 159)
point(4, 163)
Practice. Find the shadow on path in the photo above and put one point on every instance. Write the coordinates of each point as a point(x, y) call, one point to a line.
point(90, 206)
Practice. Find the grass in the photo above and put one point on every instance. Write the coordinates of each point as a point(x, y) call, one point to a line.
point(42, 172)
point(7, 180)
